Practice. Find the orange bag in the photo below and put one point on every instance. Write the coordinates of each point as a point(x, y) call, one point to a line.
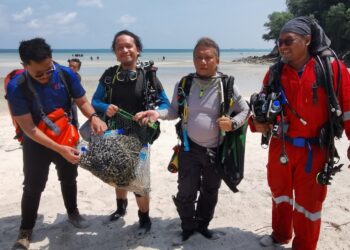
point(67, 133)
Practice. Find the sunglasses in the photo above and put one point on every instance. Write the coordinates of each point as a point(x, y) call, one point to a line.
point(287, 42)
point(127, 75)
point(46, 73)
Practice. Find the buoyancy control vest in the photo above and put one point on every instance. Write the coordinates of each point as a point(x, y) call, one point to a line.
point(333, 128)
point(146, 87)
point(230, 154)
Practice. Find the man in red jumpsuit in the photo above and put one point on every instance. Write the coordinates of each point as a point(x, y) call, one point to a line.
point(296, 196)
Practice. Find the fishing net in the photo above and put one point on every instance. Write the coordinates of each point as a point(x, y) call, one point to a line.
point(120, 157)
point(112, 158)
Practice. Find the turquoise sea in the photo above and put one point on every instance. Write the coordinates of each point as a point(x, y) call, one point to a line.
point(9, 57)
point(176, 63)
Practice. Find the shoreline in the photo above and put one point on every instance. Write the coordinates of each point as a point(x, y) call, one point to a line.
point(248, 77)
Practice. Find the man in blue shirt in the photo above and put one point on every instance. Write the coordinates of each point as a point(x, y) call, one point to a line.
point(43, 81)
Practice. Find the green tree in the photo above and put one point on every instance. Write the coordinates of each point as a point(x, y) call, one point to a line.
point(337, 26)
point(277, 19)
point(332, 15)
point(315, 8)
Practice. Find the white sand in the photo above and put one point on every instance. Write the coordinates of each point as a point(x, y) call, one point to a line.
point(243, 217)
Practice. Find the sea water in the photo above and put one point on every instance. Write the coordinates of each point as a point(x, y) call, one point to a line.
point(172, 65)
point(9, 58)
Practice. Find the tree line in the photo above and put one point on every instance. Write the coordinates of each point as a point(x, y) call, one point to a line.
point(332, 15)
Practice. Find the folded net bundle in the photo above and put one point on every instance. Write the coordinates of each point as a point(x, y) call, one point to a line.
point(115, 157)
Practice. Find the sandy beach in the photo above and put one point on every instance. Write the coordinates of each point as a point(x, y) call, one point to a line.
point(243, 217)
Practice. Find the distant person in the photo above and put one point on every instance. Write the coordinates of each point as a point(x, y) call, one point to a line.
point(302, 147)
point(163, 58)
point(202, 122)
point(39, 151)
point(91, 58)
point(127, 91)
point(75, 65)
point(97, 58)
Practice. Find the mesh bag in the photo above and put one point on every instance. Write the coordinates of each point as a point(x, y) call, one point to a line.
point(141, 184)
point(112, 158)
point(120, 157)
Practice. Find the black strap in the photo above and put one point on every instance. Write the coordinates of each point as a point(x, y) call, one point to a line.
point(65, 78)
point(183, 90)
point(43, 116)
point(24, 87)
point(150, 88)
point(150, 76)
point(30, 93)
point(34, 94)
point(326, 74)
point(228, 82)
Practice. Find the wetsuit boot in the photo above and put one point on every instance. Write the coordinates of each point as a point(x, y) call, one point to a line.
point(144, 223)
point(121, 210)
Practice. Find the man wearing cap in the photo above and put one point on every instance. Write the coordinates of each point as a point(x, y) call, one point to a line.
point(297, 196)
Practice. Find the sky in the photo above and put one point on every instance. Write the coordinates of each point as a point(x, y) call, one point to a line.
point(161, 24)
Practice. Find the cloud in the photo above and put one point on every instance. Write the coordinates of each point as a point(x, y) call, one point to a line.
point(64, 18)
point(126, 20)
point(57, 23)
point(97, 3)
point(34, 23)
point(19, 16)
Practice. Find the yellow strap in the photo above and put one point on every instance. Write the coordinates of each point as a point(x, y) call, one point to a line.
point(185, 113)
point(231, 103)
point(183, 82)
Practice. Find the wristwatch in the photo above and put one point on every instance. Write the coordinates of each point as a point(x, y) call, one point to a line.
point(92, 115)
point(234, 125)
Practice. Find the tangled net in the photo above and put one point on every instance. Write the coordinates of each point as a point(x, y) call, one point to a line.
point(115, 156)
point(112, 158)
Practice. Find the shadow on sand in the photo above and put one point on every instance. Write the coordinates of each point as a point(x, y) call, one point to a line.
point(102, 234)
